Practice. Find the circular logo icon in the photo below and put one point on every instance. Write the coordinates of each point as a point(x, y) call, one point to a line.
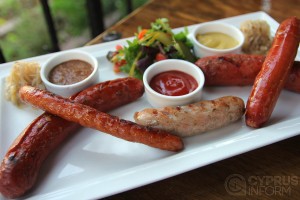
point(235, 184)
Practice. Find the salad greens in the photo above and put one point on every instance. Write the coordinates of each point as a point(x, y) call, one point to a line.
point(149, 46)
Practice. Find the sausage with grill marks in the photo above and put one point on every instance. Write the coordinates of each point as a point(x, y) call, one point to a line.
point(92, 118)
point(23, 160)
point(194, 118)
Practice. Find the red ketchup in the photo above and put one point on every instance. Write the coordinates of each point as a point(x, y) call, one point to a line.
point(173, 83)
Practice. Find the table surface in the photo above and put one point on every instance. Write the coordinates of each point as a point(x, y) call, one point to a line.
point(278, 163)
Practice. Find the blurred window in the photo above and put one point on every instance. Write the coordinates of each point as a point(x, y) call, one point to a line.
point(24, 31)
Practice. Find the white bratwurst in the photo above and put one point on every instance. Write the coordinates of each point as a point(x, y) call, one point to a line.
point(194, 118)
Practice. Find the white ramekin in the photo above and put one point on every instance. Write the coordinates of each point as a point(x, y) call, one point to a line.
point(60, 57)
point(159, 100)
point(201, 50)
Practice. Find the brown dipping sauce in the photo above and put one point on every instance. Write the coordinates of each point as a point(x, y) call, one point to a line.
point(70, 72)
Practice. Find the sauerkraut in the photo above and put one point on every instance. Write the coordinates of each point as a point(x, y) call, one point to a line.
point(258, 38)
point(22, 73)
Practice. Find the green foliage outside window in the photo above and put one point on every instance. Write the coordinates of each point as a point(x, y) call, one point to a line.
point(30, 35)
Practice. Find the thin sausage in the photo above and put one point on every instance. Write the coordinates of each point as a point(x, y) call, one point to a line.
point(274, 73)
point(92, 118)
point(23, 160)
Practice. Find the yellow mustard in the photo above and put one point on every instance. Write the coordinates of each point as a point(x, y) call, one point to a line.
point(217, 40)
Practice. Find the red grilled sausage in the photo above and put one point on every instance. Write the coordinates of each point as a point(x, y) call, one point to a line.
point(92, 118)
point(240, 70)
point(230, 70)
point(22, 162)
point(293, 82)
point(274, 73)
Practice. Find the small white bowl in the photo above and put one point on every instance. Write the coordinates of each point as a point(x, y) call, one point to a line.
point(68, 90)
point(201, 50)
point(159, 100)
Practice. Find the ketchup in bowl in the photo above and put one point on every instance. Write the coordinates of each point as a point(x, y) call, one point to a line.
point(173, 83)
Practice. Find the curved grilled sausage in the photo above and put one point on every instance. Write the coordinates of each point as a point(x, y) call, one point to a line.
point(22, 162)
point(274, 73)
point(92, 118)
point(240, 70)
point(194, 118)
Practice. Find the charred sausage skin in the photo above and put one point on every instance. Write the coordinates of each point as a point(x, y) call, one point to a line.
point(92, 118)
point(23, 160)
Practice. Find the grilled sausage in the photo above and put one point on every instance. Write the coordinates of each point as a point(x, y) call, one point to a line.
point(293, 82)
point(194, 118)
point(274, 73)
point(230, 70)
point(92, 118)
point(240, 70)
point(22, 162)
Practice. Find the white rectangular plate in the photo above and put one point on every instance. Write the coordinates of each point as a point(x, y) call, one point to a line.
point(94, 165)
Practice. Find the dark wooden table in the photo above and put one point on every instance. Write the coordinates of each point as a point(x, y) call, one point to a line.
point(279, 161)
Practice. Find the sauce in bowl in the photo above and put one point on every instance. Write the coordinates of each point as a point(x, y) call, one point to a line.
point(217, 40)
point(70, 72)
point(173, 83)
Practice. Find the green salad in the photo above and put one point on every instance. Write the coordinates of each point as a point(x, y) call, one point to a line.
point(149, 46)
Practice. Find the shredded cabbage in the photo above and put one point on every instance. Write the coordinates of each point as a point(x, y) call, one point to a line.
point(22, 73)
